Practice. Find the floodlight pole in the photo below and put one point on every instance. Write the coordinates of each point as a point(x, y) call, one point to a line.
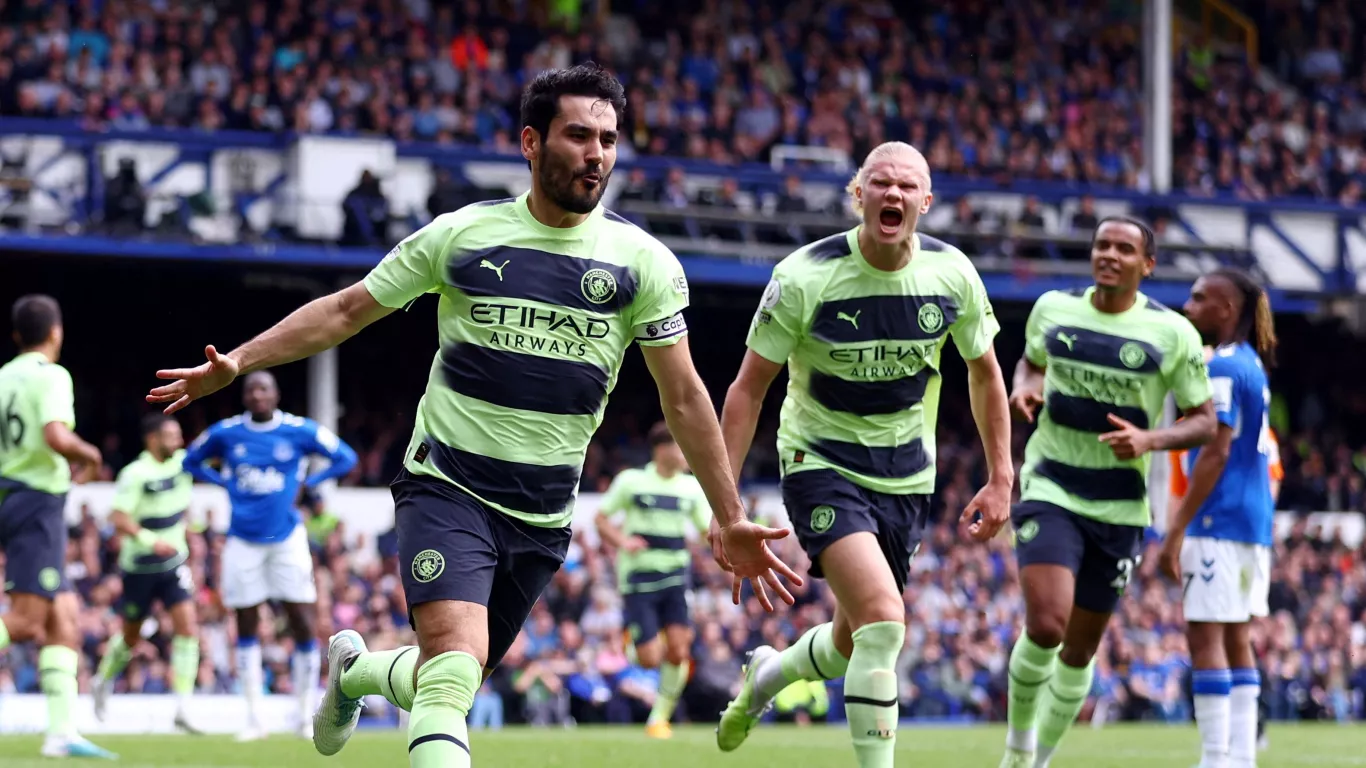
point(1157, 66)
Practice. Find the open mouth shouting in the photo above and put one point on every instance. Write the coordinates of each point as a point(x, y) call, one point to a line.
point(889, 221)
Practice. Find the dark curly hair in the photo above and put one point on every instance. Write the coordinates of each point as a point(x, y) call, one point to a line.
point(541, 99)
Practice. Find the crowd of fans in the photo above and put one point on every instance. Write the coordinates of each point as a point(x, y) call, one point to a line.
point(987, 90)
point(963, 601)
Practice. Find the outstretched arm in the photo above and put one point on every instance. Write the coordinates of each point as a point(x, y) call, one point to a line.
point(316, 326)
point(319, 325)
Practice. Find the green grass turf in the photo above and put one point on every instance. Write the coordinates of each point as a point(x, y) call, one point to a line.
point(1119, 746)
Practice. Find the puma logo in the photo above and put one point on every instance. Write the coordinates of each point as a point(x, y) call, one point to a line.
point(1068, 340)
point(852, 320)
point(486, 264)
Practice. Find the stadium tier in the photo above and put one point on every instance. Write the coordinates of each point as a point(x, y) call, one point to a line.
point(183, 174)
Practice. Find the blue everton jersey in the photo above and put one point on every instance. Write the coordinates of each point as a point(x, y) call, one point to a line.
point(262, 465)
point(1240, 507)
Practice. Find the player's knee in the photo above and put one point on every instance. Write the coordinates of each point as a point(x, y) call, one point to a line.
point(1046, 628)
point(1206, 645)
point(884, 638)
point(433, 646)
point(248, 621)
point(677, 656)
point(649, 655)
point(303, 631)
point(449, 681)
point(1076, 656)
point(25, 628)
point(882, 609)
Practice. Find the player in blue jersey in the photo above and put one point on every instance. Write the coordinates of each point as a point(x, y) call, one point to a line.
point(261, 456)
point(1219, 541)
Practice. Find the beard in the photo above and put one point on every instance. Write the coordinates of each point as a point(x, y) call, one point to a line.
point(559, 181)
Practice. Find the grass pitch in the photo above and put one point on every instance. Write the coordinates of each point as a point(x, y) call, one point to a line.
point(820, 746)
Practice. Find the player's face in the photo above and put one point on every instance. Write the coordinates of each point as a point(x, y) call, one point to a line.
point(260, 396)
point(575, 161)
point(670, 456)
point(1208, 308)
point(1118, 262)
point(171, 437)
point(895, 192)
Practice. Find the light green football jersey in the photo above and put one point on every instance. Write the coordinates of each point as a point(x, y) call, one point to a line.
point(661, 511)
point(156, 494)
point(1097, 364)
point(533, 323)
point(862, 347)
point(34, 392)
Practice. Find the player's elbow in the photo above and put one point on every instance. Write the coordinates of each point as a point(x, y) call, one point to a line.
point(745, 393)
point(1207, 428)
point(354, 307)
point(58, 437)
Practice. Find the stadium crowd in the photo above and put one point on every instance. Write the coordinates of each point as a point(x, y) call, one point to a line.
point(987, 90)
point(570, 664)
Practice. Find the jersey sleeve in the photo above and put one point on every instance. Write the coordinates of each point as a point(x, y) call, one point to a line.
point(1187, 375)
point(209, 445)
point(57, 400)
point(128, 490)
point(778, 323)
point(1036, 348)
point(657, 311)
point(701, 510)
point(1224, 382)
point(614, 500)
point(976, 325)
point(321, 441)
point(411, 268)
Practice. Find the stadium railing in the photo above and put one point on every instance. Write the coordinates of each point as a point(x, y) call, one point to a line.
point(290, 189)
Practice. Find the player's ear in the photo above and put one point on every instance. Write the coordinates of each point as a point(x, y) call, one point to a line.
point(925, 206)
point(531, 143)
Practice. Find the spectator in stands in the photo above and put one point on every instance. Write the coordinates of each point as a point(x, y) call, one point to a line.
point(366, 213)
point(125, 201)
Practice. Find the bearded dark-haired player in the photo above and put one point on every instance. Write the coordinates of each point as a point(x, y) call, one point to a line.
point(540, 296)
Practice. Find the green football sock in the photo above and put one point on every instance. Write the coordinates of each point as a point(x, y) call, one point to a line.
point(1061, 704)
point(386, 673)
point(116, 657)
point(1031, 667)
point(672, 679)
point(184, 665)
point(4, 634)
point(437, 736)
point(870, 692)
point(57, 666)
point(812, 657)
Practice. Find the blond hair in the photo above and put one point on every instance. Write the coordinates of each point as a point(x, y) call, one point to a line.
point(880, 152)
